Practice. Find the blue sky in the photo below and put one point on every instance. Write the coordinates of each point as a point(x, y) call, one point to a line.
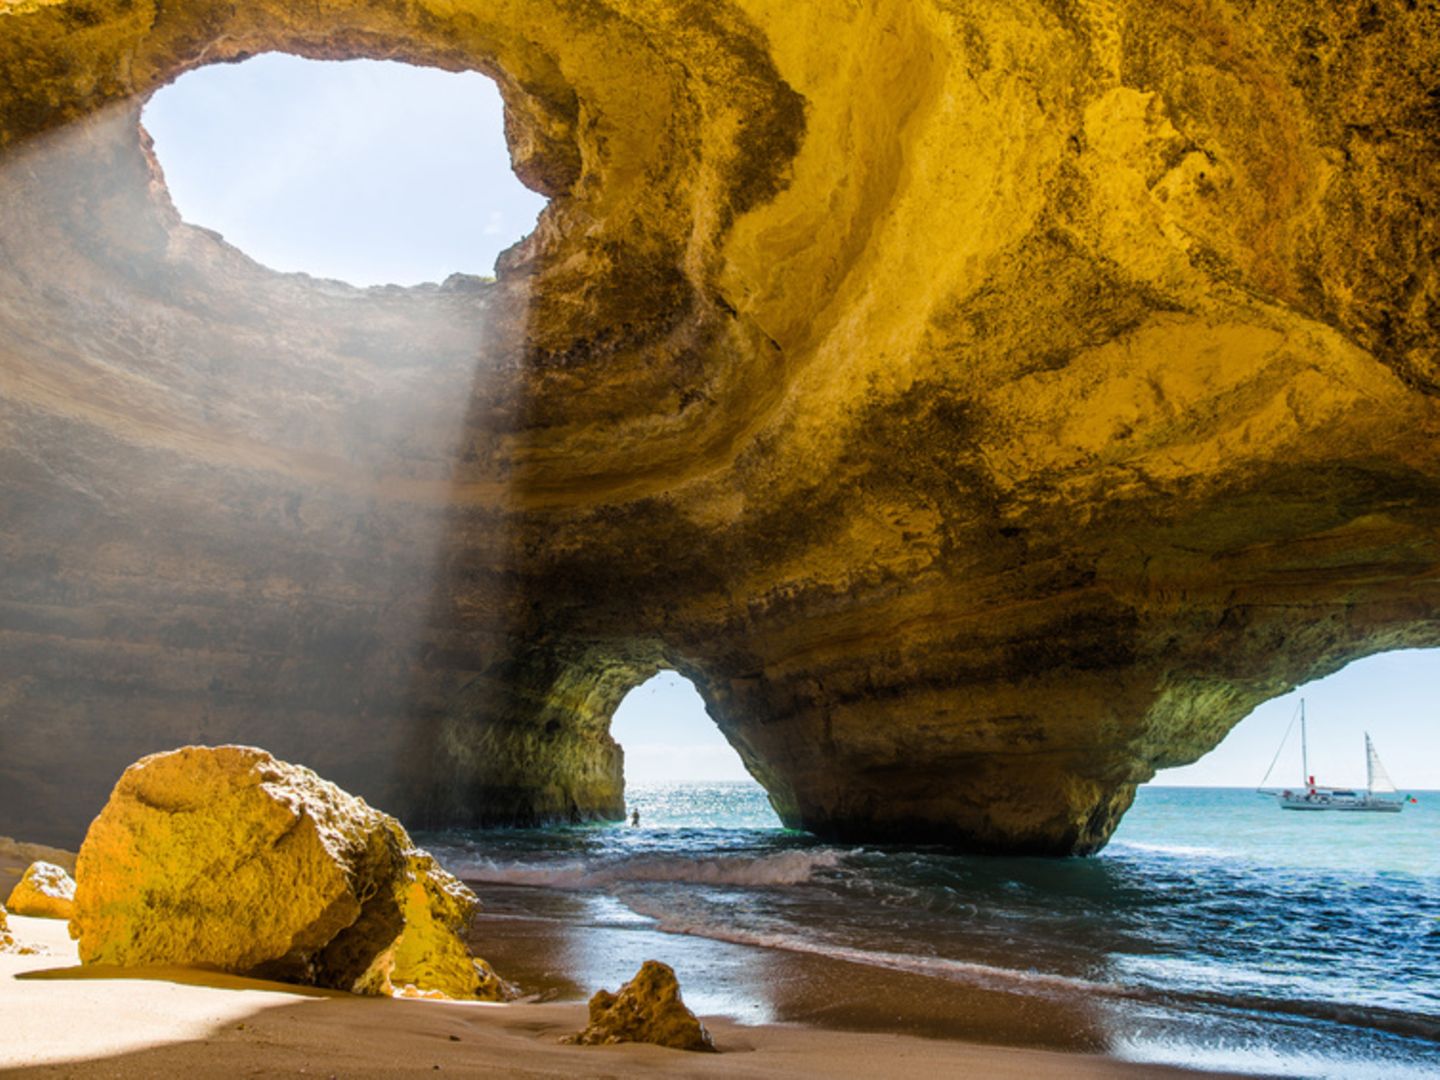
point(372, 172)
point(1393, 696)
point(668, 737)
point(375, 172)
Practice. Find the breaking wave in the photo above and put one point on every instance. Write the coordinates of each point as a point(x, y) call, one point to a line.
point(781, 869)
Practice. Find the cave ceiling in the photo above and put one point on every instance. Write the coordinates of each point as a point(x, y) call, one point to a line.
point(984, 404)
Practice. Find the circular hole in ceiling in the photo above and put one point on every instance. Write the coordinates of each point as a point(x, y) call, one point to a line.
point(371, 172)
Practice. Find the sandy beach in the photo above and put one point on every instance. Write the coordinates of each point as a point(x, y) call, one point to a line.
point(62, 1020)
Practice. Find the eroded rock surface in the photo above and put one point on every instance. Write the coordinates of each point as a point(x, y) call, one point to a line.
point(985, 405)
point(225, 858)
point(45, 890)
point(17, 856)
point(647, 1009)
point(431, 954)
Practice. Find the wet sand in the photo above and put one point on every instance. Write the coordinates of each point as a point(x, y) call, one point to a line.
point(756, 986)
point(60, 1020)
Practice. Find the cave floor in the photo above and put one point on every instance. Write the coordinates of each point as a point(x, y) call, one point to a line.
point(145, 1024)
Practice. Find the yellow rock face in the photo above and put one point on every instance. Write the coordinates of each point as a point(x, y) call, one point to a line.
point(985, 404)
point(225, 858)
point(46, 891)
point(431, 954)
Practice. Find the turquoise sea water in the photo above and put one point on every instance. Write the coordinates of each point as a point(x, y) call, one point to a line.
point(1215, 930)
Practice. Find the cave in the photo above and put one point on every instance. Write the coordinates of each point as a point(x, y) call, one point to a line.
point(984, 407)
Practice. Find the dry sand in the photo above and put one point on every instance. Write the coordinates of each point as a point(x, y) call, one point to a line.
point(57, 1019)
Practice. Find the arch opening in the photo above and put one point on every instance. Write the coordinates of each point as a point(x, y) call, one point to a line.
point(679, 768)
point(372, 172)
point(1391, 696)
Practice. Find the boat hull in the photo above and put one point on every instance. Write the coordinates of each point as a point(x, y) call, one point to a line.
point(1372, 806)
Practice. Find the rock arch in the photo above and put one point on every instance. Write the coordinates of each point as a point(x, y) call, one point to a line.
point(990, 407)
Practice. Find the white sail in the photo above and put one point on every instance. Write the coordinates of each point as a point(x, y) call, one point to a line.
point(1379, 779)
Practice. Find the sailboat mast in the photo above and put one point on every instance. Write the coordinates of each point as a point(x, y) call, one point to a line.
point(1304, 745)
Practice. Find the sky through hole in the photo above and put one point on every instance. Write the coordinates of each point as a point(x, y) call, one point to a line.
point(370, 172)
point(669, 737)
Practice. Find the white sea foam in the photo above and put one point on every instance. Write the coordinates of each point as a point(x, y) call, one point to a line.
point(1169, 849)
point(786, 868)
point(985, 975)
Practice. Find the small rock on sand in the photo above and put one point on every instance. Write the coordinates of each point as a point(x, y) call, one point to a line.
point(46, 891)
point(16, 856)
point(647, 1009)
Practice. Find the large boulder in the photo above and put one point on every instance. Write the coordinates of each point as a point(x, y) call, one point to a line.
point(46, 891)
point(647, 1009)
point(225, 858)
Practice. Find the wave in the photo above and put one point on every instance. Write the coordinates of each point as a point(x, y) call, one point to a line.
point(786, 868)
point(1170, 849)
point(1012, 980)
point(669, 922)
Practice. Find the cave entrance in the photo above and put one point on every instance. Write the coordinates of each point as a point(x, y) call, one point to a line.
point(679, 769)
point(1392, 696)
point(370, 172)
point(1212, 809)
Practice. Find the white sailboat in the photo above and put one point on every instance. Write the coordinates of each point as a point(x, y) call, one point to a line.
point(1380, 794)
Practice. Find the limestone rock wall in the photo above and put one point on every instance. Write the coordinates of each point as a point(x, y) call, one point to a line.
point(985, 405)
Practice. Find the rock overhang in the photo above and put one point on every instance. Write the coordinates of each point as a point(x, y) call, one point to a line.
point(985, 407)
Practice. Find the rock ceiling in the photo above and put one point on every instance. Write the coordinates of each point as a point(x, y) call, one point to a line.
point(984, 404)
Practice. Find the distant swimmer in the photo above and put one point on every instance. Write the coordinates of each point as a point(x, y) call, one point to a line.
point(634, 817)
